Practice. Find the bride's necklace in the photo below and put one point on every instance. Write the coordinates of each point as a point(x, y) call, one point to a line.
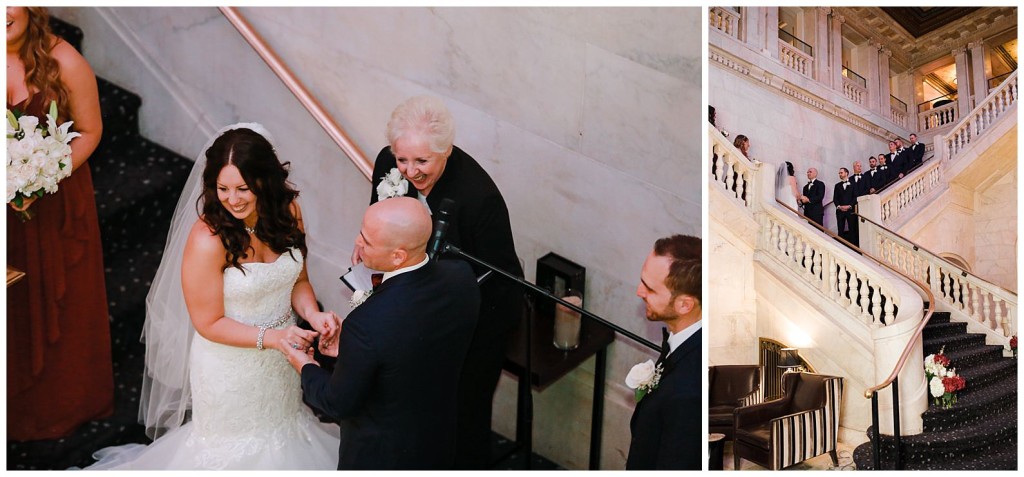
point(249, 230)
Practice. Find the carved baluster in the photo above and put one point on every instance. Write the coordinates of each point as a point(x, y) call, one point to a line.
point(975, 301)
point(729, 181)
point(843, 277)
point(1011, 311)
point(987, 316)
point(887, 315)
point(816, 267)
point(809, 256)
point(942, 280)
point(773, 242)
point(798, 255)
point(854, 293)
point(1001, 317)
point(833, 292)
point(740, 184)
point(864, 302)
point(790, 242)
point(876, 305)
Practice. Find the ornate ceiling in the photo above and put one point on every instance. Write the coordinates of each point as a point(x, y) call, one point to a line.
point(921, 20)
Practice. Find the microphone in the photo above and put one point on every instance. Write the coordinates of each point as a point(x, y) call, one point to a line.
point(440, 229)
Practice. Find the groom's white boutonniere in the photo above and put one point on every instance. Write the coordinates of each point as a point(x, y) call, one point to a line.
point(643, 379)
point(358, 297)
point(392, 185)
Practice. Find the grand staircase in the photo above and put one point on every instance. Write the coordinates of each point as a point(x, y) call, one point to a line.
point(979, 432)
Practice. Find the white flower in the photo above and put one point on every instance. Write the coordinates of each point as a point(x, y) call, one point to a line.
point(392, 185)
point(936, 387)
point(37, 158)
point(358, 297)
point(640, 375)
point(643, 379)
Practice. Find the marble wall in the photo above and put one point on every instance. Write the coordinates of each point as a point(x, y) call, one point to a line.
point(588, 119)
point(996, 232)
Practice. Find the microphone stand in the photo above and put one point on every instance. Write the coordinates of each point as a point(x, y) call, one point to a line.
point(618, 329)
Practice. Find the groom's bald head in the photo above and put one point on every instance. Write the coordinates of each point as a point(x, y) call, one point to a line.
point(395, 233)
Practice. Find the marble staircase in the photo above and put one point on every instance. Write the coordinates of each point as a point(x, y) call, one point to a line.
point(979, 432)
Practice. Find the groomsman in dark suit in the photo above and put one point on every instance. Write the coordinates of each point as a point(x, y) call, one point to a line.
point(814, 193)
point(666, 424)
point(873, 175)
point(400, 352)
point(844, 199)
point(896, 162)
point(859, 180)
point(884, 173)
point(916, 151)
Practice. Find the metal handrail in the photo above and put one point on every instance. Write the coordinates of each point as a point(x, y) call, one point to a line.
point(856, 78)
point(799, 44)
point(336, 133)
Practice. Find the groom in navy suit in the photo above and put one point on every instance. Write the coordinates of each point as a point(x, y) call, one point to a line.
point(666, 424)
point(400, 352)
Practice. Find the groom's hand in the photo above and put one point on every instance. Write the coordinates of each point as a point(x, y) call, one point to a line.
point(327, 324)
point(298, 357)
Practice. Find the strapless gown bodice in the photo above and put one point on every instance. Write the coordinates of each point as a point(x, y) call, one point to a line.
point(247, 409)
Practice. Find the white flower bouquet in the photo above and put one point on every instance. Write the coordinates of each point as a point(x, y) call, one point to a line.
point(392, 185)
point(37, 157)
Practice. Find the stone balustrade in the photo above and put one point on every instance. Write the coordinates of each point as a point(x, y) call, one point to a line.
point(854, 92)
point(995, 105)
point(730, 169)
point(904, 198)
point(898, 116)
point(725, 20)
point(937, 117)
point(796, 60)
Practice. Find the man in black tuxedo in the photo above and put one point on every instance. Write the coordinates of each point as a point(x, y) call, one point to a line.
point(844, 199)
point(666, 424)
point(873, 175)
point(814, 193)
point(859, 180)
point(895, 162)
point(884, 173)
point(916, 150)
point(400, 352)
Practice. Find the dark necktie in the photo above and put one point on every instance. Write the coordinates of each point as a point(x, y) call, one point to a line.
point(664, 346)
point(376, 279)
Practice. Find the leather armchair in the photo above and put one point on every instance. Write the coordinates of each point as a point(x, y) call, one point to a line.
point(730, 387)
point(802, 424)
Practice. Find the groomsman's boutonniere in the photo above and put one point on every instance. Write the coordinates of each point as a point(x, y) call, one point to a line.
point(358, 297)
point(392, 185)
point(643, 379)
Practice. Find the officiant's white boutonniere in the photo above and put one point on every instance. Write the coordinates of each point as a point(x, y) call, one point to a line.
point(643, 379)
point(358, 297)
point(393, 185)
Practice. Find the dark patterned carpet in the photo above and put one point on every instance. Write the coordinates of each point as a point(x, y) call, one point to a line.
point(979, 432)
point(137, 183)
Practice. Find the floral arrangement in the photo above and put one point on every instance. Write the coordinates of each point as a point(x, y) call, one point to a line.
point(37, 157)
point(643, 379)
point(392, 185)
point(943, 382)
point(358, 297)
point(1013, 345)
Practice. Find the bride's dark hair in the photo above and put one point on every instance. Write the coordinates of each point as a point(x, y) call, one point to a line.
point(789, 168)
point(267, 178)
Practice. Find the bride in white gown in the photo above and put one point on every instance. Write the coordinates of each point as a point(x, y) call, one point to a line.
point(786, 190)
point(242, 270)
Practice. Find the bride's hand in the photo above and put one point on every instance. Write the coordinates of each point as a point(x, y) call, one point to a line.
point(327, 324)
point(292, 337)
point(329, 349)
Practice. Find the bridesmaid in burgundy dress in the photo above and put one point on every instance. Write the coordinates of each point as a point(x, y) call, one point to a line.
point(59, 371)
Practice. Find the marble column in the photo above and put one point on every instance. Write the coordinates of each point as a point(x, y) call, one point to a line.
point(883, 81)
point(979, 74)
point(837, 51)
point(752, 21)
point(771, 32)
point(963, 81)
point(822, 58)
point(872, 75)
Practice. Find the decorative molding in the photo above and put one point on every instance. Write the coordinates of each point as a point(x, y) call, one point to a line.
point(769, 80)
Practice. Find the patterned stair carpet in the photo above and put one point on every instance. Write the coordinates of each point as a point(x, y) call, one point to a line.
point(979, 432)
point(137, 183)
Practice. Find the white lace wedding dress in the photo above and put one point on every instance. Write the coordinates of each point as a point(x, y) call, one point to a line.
point(247, 409)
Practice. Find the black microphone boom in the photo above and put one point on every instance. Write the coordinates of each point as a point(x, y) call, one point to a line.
point(444, 216)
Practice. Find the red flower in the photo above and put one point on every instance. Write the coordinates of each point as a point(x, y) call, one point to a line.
point(942, 359)
point(953, 384)
point(1013, 342)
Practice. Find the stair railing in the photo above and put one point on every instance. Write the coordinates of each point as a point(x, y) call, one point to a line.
point(990, 309)
point(336, 133)
point(904, 198)
point(734, 174)
point(980, 119)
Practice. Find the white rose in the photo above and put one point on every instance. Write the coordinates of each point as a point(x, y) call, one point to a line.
point(358, 297)
point(936, 387)
point(384, 190)
point(640, 375)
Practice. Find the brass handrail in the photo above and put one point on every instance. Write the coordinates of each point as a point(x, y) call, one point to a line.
point(299, 90)
point(920, 328)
